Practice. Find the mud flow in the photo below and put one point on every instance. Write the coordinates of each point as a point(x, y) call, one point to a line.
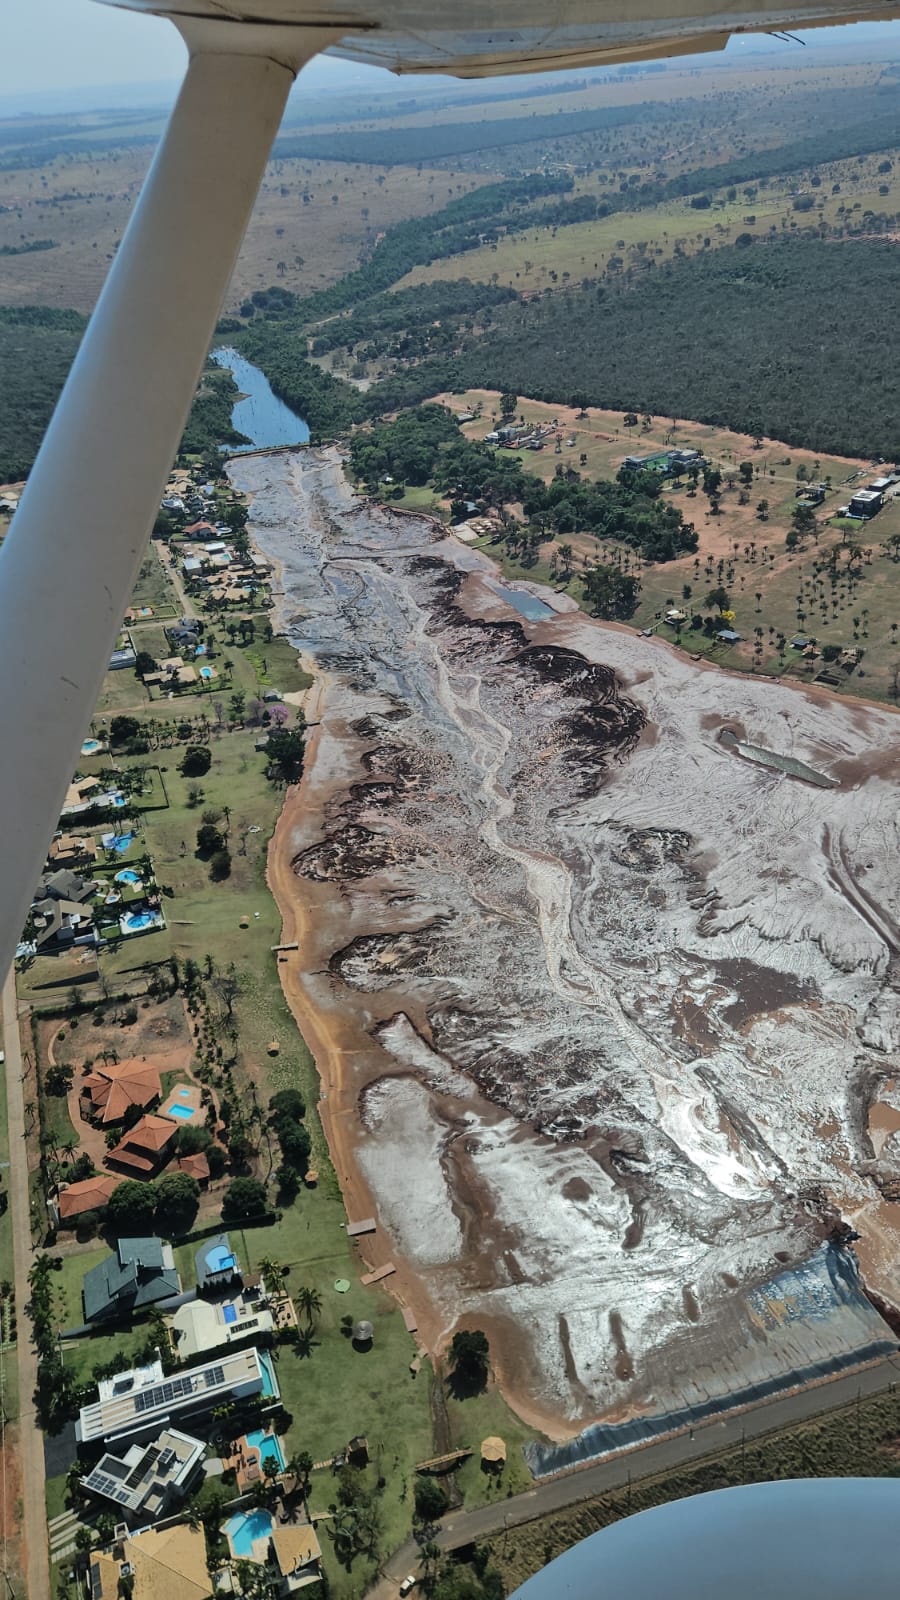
point(602, 1009)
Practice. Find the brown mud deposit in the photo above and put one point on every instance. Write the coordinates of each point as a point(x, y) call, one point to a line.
point(599, 1010)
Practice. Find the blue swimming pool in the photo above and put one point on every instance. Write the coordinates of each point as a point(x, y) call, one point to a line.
point(128, 875)
point(180, 1111)
point(219, 1259)
point(90, 747)
point(229, 1313)
point(137, 921)
point(268, 1445)
point(206, 672)
point(118, 800)
point(117, 841)
point(244, 1529)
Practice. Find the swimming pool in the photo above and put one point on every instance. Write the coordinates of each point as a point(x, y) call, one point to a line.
point(128, 875)
point(180, 1111)
point(136, 921)
point(244, 1529)
point(268, 1445)
point(117, 841)
point(118, 799)
point(90, 747)
point(230, 1314)
point(206, 672)
point(220, 1259)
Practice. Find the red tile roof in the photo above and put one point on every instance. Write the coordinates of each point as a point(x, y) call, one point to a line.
point(91, 1194)
point(196, 1166)
point(145, 1144)
point(115, 1087)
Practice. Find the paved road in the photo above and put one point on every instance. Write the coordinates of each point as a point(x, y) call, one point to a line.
point(555, 1494)
point(31, 1440)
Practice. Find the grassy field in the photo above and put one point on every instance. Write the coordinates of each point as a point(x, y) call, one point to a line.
point(543, 258)
point(771, 588)
point(85, 204)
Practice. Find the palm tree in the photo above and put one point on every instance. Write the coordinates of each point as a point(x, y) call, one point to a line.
point(272, 1274)
point(310, 1303)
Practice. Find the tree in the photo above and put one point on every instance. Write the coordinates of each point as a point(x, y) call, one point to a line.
point(310, 1302)
point(272, 1274)
point(196, 761)
point(131, 1207)
point(284, 752)
point(746, 471)
point(470, 1357)
point(123, 728)
point(579, 400)
point(630, 419)
point(611, 593)
point(144, 664)
point(431, 1499)
point(220, 865)
point(508, 403)
point(177, 1197)
point(209, 839)
point(237, 703)
point(301, 1465)
point(762, 510)
point(244, 1198)
point(718, 598)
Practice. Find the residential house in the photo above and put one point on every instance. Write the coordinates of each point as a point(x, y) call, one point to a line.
point(76, 1200)
point(196, 1166)
point(192, 566)
point(124, 657)
point(200, 530)
point(146, 1148)
point(64, 884)
point(59, 924)
point(728, 636)
point(141, 1272)
point(205, 1324)
point(157, 1564)
point(150, 1480)
point(110, 1091)
point(295, 1556)
point(71, 850)
point(136, 1403)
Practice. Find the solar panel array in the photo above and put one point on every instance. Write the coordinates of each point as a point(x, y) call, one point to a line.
point(174, 1388)
point(102, 1483)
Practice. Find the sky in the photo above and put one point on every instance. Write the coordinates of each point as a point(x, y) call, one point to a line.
point(69, 54)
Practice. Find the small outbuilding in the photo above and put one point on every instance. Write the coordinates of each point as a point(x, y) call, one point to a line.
point(493, 1452)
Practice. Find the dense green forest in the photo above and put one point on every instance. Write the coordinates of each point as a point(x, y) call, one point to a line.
point(391, 146)
point(426, 446)
point(413, 322)
point(209, 420)
point(37, 346)
point(772, 339)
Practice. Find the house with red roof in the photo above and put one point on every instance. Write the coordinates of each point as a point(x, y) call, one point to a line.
point(111, 1090)
point(146, 1148)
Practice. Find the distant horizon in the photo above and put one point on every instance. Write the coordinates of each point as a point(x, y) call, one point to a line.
point(89, 38)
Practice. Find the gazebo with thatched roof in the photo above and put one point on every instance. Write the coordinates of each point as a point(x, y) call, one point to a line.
point(493, 1452)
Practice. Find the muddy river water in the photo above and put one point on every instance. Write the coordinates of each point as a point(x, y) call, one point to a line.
point(602, 1010)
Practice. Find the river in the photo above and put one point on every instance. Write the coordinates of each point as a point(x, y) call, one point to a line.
point(259, 415)
point(600, 1008)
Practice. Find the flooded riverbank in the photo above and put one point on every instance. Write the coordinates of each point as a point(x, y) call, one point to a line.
point(598, 1007)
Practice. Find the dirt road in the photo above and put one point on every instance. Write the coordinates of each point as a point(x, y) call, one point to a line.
point(35, 1561)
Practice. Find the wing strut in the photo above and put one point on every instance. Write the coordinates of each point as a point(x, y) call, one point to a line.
point(70, 560)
